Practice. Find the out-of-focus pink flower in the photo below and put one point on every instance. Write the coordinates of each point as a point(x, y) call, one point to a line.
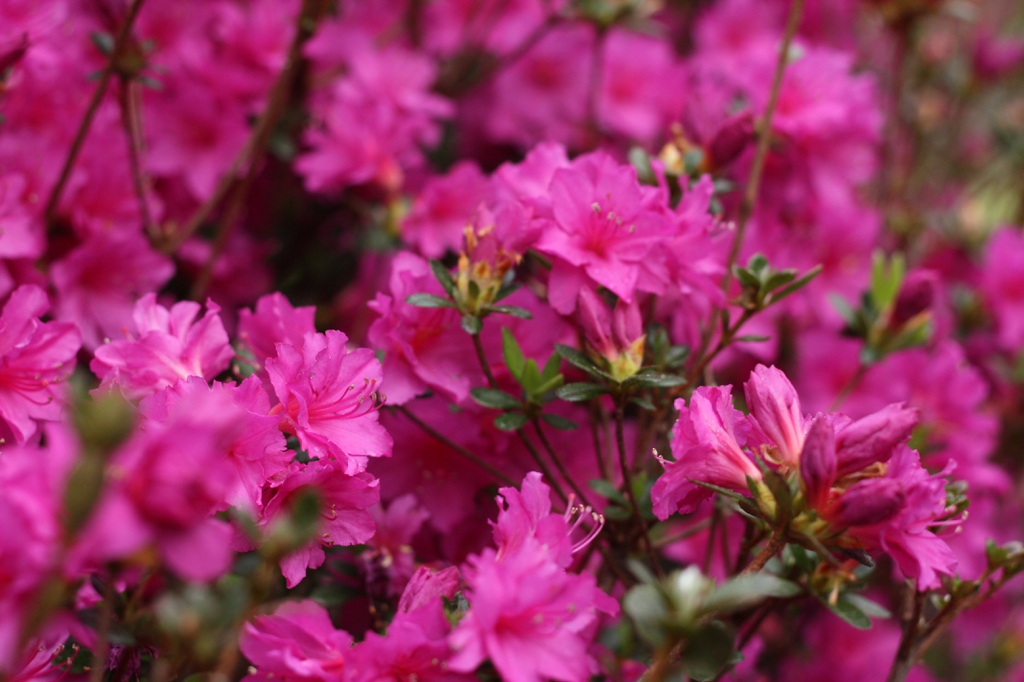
point(35, 359)
point(20, 235)
point(372, 124)
point(298, 643)
point(390, 553)
point(99, 282)
point(617, 335)
point(166, 345)
point(329, 398)
point(258, 450)
point(443, 208)
point(424, 347)
point(542, 95)
point(707, 445)
point(1002, 285)
point(174, 477)
point(641, 86)
point(344, 519)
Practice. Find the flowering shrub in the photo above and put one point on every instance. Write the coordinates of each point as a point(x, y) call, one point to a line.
point(352, 341)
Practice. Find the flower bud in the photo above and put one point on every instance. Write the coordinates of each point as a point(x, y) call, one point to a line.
point(916, 296)
point(818, 462)
point(873, 438)
point(618, 337)
point(731, 139)
point(867, 502)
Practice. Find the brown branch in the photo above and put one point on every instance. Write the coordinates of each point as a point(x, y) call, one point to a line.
point(243, 170)
point(773, 547)
point(131, 119)
point(90, 112)
point(627, 482)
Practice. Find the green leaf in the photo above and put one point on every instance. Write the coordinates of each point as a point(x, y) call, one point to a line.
point(560, 423)
point(655, 380)
point(778, 279)
point(646, 607)
point(747, 590)
point(782, 494)
point(797, 285)
point(578, 359)
point(103, 41)
point(514, 311)
point(868, 607)
point(643, 402)
point(444, 277)
point(511, 421)
point(551, 367)
point(472, 324)
point(514, 359)
point(606, 490)
point(753, 338)
point(708, 651)
point(640, 570)
point(676, 356)
point(718, 489)
point(531, 377)
point(429, 301)
point(549, 384)
point(506, 291)
point(747, 278)
point(617, 513)
point(849, 612)
point(494, 398)
point(580, 391)
point(757, 263)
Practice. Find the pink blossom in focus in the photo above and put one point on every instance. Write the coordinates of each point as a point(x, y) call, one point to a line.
point(35, 359)
point(328, 398)
point(297, 643)
point(165, 345)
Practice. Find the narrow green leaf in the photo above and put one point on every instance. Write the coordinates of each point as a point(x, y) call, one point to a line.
point(514, 359)
point(514, 311)
point(616, 513)
point(646, 607)
point(551, 367)
point(757, 263)
point(579, 391)
point(798, 285)
point(578, 359)
point(778, 279)
point(747, 590)
point(655, 380)
point(643, 402)
point(708, 651)
point(548, 385)
point(507, 291)
point(444, 277)
point(511, 421)
point(676, 356)
point(429, 301)
point(753, 338)
point(531, 377)
point(868, 607)
point(848, 612)
point(560, 423)
point(606, 490)
point(494, 398)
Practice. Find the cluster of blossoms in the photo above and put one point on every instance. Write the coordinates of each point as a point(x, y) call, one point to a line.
point(339, 339)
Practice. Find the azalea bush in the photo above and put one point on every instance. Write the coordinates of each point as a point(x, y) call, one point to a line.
point(352, 340)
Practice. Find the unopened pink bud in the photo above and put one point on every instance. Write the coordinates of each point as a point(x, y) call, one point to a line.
point(731, 139)
point(818, 462)
point(873, 438)
point(868, 502)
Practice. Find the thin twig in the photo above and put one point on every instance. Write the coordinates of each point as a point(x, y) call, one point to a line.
point(558, 462)
point(482, 357)
point(773, 547)
point(90, 112)
point(543, 467)
point(466, 454)
point(627, 481)
point(106, 621)
point(239, 181)
point(131, 119)
point(904, 660)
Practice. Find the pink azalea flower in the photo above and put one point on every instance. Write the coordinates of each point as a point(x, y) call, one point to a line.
point(707, 445)
point(166, 345)
point(390, 555)
point(174, 477)
point(775, 411)
point(415, 646)
point(528, 616)
point(258, 451)
point(329, 398)
point(443, 208)
point(1002, 286)
point(424, 347)
point(99, 282)
point(344, 500)
point(274, 321)
point(298, 643)
point(601, 229)
point(20, 235)
point(35, 359)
